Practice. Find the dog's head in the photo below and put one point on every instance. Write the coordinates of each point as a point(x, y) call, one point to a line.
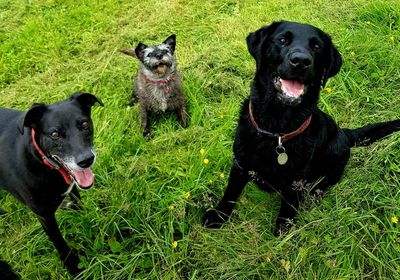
point(65, 130)
point(157, 60)
point(297, 58)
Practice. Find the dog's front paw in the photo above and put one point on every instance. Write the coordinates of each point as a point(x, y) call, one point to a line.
point(147, 135)
point(184, 124)
point(71, 262)
point(183, 120)
point(214, 219)
point(282, 226)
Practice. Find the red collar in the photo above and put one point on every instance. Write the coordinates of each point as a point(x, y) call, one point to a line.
point(51, 163)
point(283, 137)
point(161, 82)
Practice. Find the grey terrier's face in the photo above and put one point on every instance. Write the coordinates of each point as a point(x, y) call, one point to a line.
point(158, 59)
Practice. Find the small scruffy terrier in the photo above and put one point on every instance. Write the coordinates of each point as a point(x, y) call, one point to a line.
point(157, 85)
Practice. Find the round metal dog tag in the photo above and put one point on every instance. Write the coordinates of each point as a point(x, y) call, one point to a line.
point(282, 158)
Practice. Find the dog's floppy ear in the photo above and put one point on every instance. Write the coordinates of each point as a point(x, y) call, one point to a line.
point(255, 40)
point(334, 64)
point(139, 50)
point(129, 51)
point(171, 42)
point(86, 99)
point(32, 116)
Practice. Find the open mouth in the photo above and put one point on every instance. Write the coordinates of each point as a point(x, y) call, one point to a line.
point(84, 177)
point(289, 88)
point(161, 67)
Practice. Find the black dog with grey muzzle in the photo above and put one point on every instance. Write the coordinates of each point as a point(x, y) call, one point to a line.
point(45, 153)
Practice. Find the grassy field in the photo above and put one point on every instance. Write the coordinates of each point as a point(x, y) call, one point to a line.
point(142, 219)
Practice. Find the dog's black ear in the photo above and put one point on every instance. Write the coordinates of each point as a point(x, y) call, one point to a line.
point(129, 51)
point(86, 99)
point(334, 64)
point(253, 41)
point(32, 116)
point(139, 50)
point(171, 42)
point(256, 39)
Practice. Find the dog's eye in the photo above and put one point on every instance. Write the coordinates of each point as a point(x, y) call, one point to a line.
point(283, 40)
point(85, 125)
point(317, 46)
point(55, 135)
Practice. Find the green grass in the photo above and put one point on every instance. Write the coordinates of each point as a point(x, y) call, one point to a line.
point(50, 49)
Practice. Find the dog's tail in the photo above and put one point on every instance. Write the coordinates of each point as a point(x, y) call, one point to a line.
point(368, 134)
point(128, 51)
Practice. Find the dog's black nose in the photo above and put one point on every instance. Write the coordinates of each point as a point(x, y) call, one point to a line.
point(86, 162)
point(300, 60)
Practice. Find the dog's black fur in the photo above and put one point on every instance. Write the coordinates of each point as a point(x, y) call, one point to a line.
point(304, 56)
point(6, 272)
point(63, 129)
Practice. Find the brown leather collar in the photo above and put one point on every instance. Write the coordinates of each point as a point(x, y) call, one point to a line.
point(283, 137)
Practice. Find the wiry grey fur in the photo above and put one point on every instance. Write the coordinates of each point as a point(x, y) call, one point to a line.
point(157, 85)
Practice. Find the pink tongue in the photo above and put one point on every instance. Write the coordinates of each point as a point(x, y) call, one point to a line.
point(292, 88)
point(85, 177)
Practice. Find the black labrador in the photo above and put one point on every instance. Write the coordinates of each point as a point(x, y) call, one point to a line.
point(45, 153)
point(283, 142)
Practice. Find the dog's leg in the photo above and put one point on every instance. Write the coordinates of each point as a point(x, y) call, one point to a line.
point(145, 119)
point(238, 179)
point(134, 97)
point(182, 116)
point(289, 205)
point(70, 259)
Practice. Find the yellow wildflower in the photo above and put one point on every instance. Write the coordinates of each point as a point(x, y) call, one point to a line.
point(187, 195)
point(328, 90)
point(206, 161)
point(202, 151)
point(222, 175)
point(174, 244)
point(267, 259)
point(353, 54)
point(171, 207)
point(394, 220)
point(391, 38)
